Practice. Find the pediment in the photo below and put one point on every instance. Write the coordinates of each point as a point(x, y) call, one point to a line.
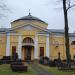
point(28, 27)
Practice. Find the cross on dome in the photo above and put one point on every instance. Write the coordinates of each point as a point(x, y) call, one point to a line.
point(29, 12)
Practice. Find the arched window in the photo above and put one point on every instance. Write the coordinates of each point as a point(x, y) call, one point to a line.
point(73, 43)
point(28, 40)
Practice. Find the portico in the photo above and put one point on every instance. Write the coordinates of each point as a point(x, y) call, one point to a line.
point(27, 47)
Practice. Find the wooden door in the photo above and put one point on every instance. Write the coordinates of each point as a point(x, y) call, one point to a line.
point(41, 51)
point(13, 50)
point(28, 53)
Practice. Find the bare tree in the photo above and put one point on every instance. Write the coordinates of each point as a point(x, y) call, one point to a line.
point(66, 6)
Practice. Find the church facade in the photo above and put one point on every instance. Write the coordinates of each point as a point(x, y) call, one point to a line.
point(30, 39)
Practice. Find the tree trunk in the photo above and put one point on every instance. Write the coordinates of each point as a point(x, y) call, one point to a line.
point(66, 33)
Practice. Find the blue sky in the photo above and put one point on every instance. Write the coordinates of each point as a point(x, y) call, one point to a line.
point(48, 10)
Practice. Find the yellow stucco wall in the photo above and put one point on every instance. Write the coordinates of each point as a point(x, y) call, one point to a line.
point(57, 45)
point(61, 47)
point(72, 50)
point(41, 40)
point(13, 42)
point(41, 43)
point(2, 45)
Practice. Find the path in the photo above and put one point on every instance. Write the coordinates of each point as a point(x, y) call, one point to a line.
point(40, 70)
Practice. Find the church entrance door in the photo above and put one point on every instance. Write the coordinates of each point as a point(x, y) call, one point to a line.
point(28, 50)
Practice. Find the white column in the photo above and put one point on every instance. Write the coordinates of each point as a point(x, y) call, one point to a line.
point(36, 47)
point(19, 46)
point(8, 44)
point(47, 46)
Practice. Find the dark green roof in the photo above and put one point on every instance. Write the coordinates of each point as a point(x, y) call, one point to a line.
point(30, 17)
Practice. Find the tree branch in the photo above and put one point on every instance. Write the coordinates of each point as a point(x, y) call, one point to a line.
point(70, 6)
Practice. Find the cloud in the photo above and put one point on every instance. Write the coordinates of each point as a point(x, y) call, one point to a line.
point(47, 10)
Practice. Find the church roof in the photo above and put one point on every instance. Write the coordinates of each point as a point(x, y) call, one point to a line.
point(30, 17)
point(56, 30)
point(72, 34)
point(5, 30)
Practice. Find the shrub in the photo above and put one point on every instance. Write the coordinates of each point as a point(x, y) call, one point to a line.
point(52, 63)
point(17, 62)
point(6, 59)
point(1, 62)
point(15, 57)
point(44, 60)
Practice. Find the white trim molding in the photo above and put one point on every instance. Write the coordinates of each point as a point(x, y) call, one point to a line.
point(41, 28)
point(15, 34)
point(36, 47)
point(8, 44)
point(19, 46)
point(47, 45)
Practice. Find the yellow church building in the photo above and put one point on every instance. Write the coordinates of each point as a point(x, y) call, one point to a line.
point(30, 39)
